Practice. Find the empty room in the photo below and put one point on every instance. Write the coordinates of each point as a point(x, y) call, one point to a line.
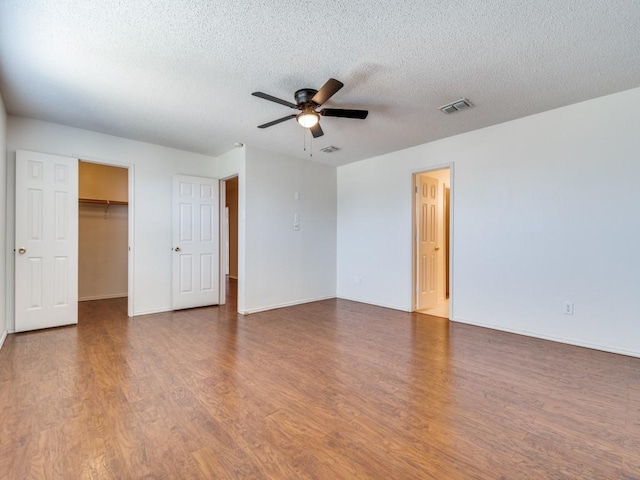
point(330, 240)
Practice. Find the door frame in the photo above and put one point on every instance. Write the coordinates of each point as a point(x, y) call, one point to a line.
point(130, 221)
point(414, 231)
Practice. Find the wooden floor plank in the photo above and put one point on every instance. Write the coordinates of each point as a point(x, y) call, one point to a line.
point(328, 390)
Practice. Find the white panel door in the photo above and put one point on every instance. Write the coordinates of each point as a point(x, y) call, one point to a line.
point(196, 252)
point(427, 225)
point(46, 293)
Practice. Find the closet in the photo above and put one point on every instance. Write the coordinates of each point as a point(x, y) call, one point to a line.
point(102, 231)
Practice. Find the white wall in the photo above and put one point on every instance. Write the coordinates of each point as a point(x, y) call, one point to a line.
point(374, 231)
point(3, 219)
point(152, 169)
point(283, 266)
point(536, 221)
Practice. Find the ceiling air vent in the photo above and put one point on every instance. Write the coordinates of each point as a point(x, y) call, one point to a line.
point(456, 106)
point(329, 149)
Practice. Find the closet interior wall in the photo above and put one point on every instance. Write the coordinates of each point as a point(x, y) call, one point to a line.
point(103, 231)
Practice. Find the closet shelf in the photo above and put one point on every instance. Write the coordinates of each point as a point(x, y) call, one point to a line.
point(100, 201)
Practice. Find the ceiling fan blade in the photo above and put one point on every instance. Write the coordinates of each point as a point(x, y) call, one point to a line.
point(271, 98)
point(344, 113)
point(327, 91)
point(275, 122)
point(316, 131)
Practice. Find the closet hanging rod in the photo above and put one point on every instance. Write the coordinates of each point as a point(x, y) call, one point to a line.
point(100, 201)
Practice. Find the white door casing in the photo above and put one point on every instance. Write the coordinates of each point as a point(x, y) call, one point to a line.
point(427, 239)
point(46, 273)
point(196, 253)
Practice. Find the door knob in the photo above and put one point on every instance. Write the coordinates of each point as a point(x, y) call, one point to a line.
point(22, 250)
point(177, 249)
point(437, 248)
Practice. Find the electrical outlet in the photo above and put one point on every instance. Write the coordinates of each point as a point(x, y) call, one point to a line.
point(358, 280)
point(567, 308)
point(296, 226)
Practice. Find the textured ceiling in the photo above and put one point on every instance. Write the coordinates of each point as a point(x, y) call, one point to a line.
point(181, 73)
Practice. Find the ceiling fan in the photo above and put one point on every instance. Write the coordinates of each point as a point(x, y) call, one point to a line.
point(307, 101)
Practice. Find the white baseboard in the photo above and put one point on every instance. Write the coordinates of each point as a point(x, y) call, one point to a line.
point(151, 312)
point(567, 341)
point(102, 297)
point(3, 338)
point(376, 304)
point(283, 305)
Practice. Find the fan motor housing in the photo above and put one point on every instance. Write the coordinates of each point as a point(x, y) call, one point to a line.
point(304, 95)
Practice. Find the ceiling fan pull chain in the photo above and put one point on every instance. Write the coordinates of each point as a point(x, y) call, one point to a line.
point(304, 139)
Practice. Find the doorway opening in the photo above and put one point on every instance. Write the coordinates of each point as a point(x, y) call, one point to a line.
point(432, 242)
point(104, 234)
point(231, 239)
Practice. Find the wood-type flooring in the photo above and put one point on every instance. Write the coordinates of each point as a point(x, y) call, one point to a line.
point(328, 390)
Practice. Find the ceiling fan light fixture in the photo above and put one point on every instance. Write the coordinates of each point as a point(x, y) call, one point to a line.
point(307, 100)
point(308, 118)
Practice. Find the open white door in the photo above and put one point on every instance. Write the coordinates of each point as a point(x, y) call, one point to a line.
point(46, 293)
point(196, 253)
point(427, 238)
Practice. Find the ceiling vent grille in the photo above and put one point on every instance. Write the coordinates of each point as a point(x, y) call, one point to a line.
point(456, 106)
point(329, 149)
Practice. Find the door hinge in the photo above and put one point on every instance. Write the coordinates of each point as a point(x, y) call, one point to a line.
point(416, 188)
